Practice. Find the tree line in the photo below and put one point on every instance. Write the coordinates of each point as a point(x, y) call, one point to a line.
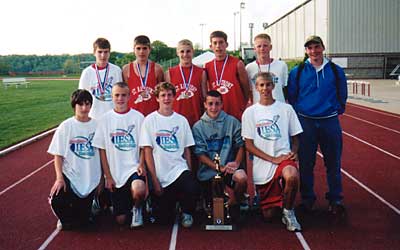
point(73, 64)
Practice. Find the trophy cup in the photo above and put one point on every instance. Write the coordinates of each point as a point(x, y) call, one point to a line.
point(219, 211)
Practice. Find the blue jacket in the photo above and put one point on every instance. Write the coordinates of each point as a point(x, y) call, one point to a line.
point(317, 96)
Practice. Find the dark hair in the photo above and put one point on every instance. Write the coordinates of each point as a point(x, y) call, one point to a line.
point(81, 96)
point(219, 34)
point(213, 93)
point(143, 40)
point(101, 43)
point(164, 86)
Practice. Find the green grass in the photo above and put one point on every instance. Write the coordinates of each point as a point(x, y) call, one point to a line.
point(25, 112)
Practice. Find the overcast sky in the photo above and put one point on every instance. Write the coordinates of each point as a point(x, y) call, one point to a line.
point(70, 27)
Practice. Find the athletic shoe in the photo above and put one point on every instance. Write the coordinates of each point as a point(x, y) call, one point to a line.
point(337, 208)
point(187, 220)
point(96, 209)
point(137, 217)
point(289, 219)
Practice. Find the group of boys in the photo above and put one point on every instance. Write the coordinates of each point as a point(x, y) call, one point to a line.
point(132, 130)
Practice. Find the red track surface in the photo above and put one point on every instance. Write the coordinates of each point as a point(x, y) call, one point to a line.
point(26, 220)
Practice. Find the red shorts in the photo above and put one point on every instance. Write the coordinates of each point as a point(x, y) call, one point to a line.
point(271, 193)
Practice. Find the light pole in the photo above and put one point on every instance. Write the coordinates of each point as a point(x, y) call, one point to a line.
point(240, 24)
point(234, 29)
point(265, 25)
point(202, 40)
point(251, 26)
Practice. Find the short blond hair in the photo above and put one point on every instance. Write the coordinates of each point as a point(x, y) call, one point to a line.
point(263, 36)
point(184, 42)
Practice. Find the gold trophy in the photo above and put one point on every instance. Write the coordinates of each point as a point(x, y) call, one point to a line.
point(219, 212)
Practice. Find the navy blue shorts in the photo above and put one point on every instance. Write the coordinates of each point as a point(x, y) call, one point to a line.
point(121, 198)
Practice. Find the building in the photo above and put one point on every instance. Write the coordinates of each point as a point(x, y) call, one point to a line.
point(363, 36)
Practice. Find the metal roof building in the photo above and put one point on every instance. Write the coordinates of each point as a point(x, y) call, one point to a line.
point(363, 36)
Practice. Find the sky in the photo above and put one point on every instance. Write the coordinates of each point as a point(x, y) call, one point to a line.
point(70, 26)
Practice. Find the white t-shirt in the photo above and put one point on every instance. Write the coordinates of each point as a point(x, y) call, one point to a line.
point(270, 127)
point(118, 135)
point(101, 98)
point(81, 162)
point(168, 136)
point(280, 71)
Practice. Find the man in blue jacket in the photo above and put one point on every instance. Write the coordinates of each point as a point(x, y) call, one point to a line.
point(317, 89)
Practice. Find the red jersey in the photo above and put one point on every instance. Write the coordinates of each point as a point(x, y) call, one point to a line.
point(228, 85)
point(142, 98)
point(188, 102)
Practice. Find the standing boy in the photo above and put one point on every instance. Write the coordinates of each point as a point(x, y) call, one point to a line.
point(77, 165)
point(142, 75)
point(317, 90)
point(166, 138)
point(99, 78)
point(228, 76)
point(270, 129)
point(117, 138)
point(219, 133)
point(190, 82)
point(264, 63)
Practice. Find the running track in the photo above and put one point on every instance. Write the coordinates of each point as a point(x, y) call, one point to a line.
point(371, 180)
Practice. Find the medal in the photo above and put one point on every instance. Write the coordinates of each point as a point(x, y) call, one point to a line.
point(101, 85)
point(187, 93)
point(219, 79)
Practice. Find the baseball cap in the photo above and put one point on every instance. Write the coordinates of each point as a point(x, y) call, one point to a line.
point(313, 39)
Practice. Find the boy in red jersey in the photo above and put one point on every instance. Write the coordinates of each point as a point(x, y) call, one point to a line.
point(227, 75)
point(142, 75)
point(190, 82)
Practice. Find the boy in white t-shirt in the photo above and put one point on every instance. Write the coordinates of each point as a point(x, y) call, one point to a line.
point(166, 138)
point(264, 63)
point(77, 165)
point(117, 138)
point(270, 129)
point(99, 78)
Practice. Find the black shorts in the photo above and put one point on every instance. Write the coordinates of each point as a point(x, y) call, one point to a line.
point(121, 198)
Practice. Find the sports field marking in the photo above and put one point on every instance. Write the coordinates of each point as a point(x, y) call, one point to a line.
point(372, 123)
point(395, 209)
point(371, 145)
point(302, 241)
point(373, 110)
point(26, 142)
point(49, 239)
point(174, 236)
point(26, 177)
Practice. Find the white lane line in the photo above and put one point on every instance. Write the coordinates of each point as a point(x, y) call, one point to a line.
point(302, 241)
point(395, 209)
point(373, 110)
point(372, 192)
point(26, 142)
point(174, 236)
point(26, 177)
point(372, 123)
point(49, 239)
point(373, 146)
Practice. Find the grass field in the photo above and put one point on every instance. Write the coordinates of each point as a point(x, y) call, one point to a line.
point(25, 112)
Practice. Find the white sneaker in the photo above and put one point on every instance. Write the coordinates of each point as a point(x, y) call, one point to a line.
point(187, 220)
point(96, 209)
point(289, 219)
point(137, 217)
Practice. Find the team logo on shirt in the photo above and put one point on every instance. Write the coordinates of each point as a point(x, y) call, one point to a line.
point(268, 129)
point(215, 143)
point(82, 146)
point(223, 88)
point(123, 139)
point(167, 140)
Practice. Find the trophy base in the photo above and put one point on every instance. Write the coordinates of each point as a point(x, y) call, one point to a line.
point(213, 227)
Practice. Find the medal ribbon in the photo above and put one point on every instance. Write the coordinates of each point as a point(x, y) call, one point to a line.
point(187, 84)
point(219, 79)
point(259, 68)
point(143, 80)
point(101, 84)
